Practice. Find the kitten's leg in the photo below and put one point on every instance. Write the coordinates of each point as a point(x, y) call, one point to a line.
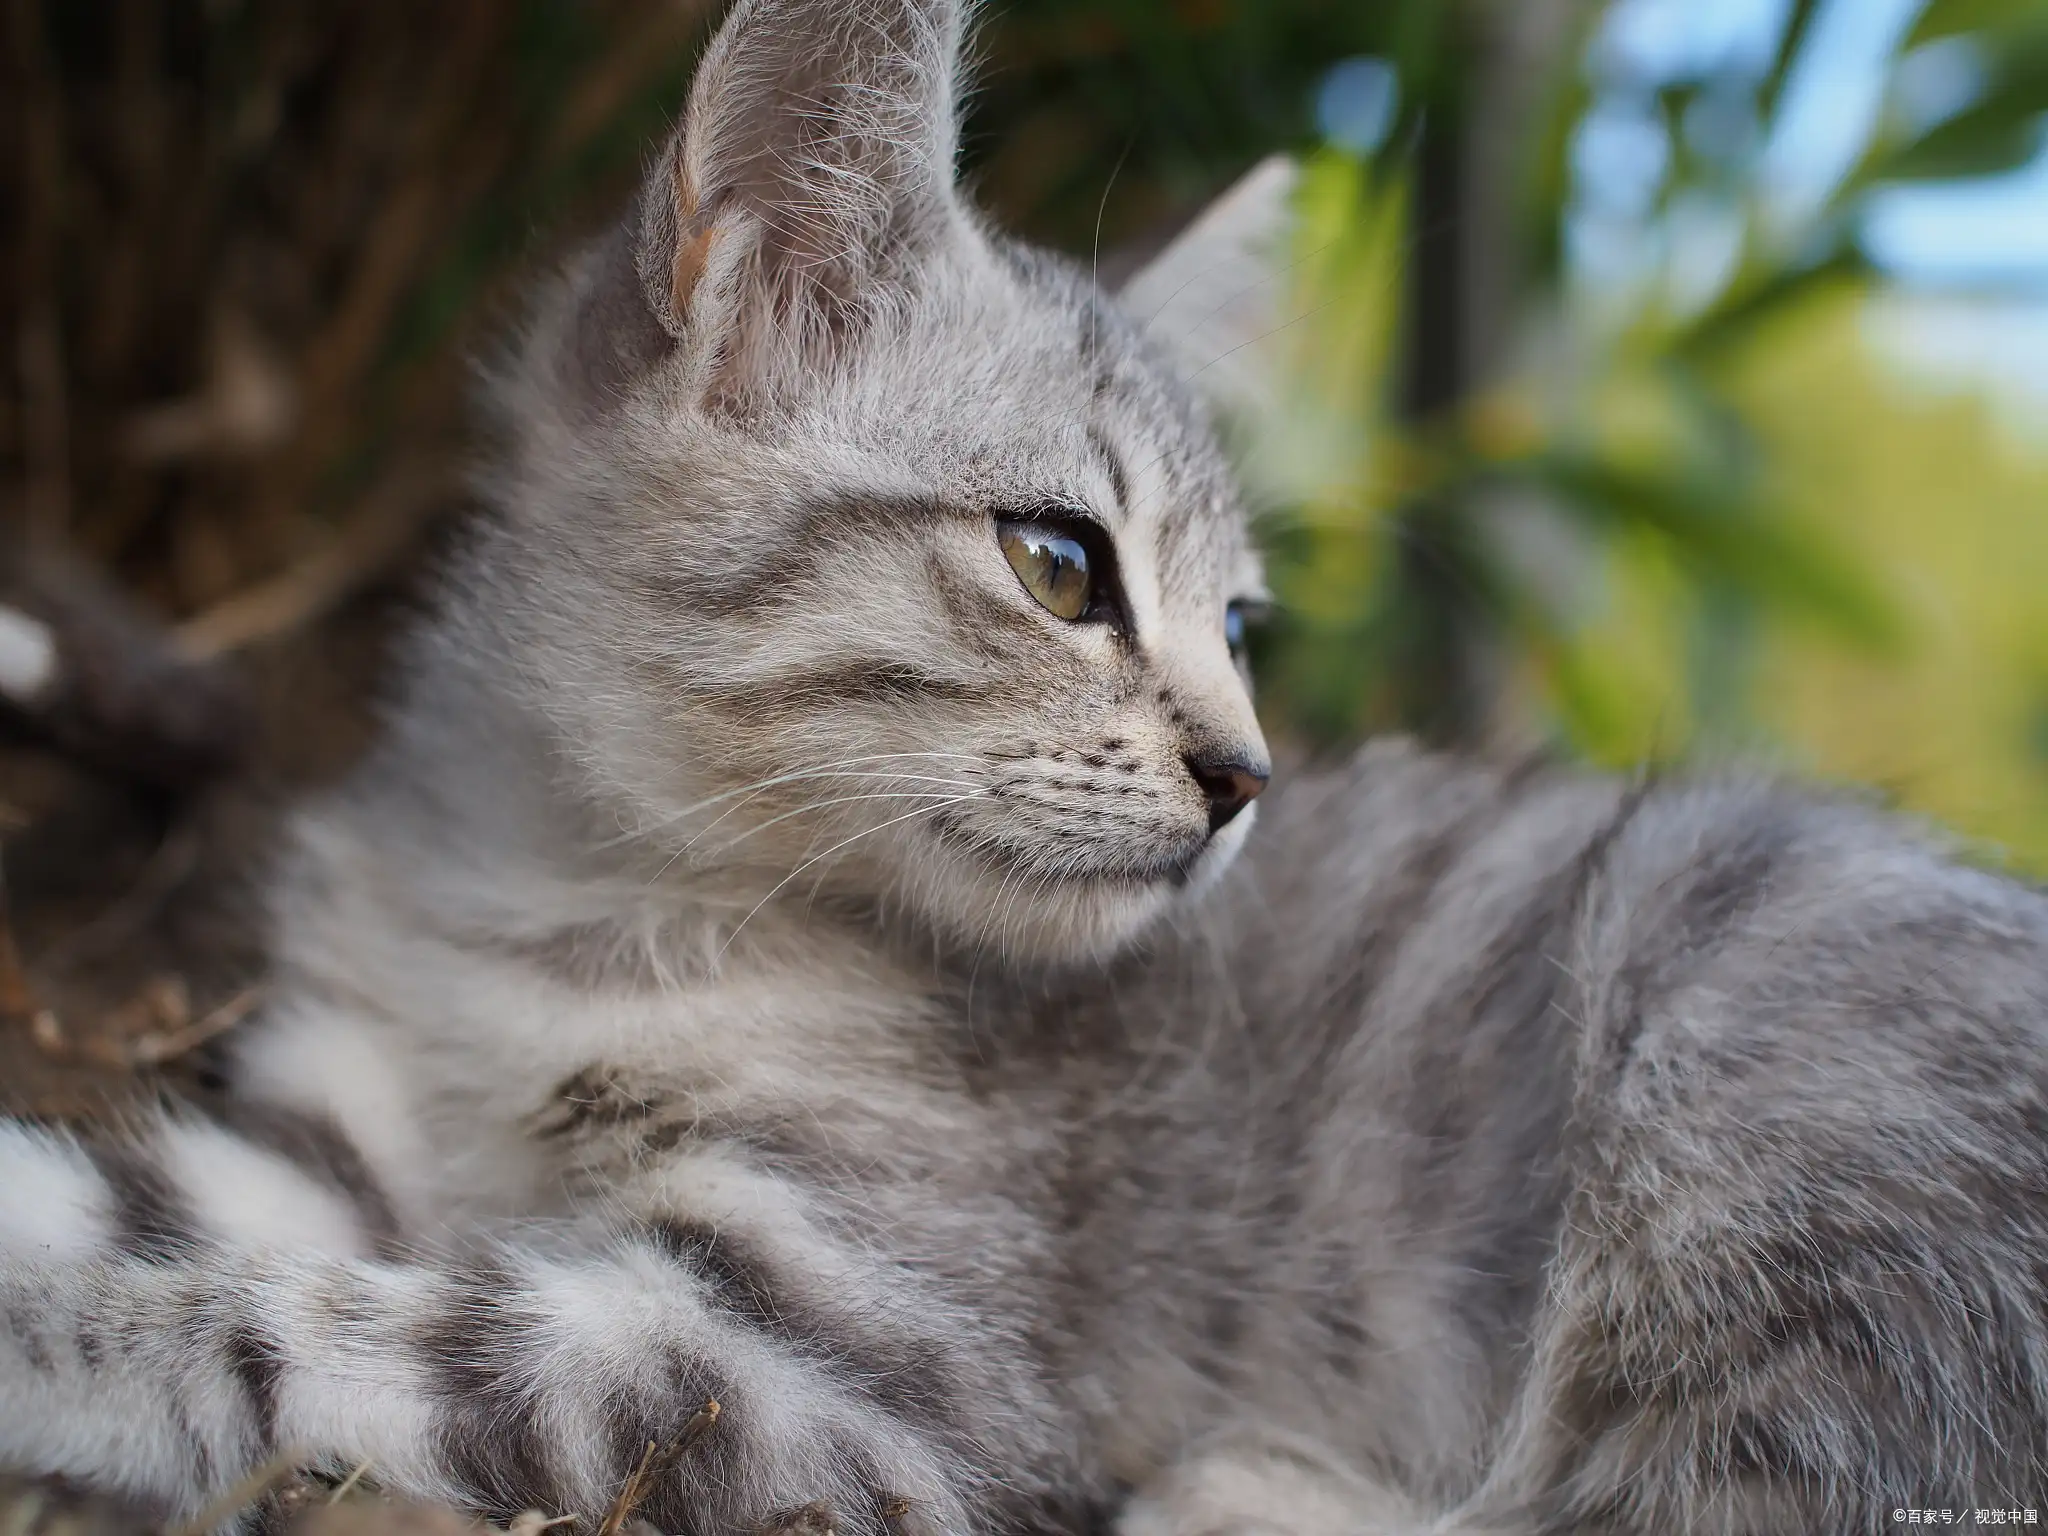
point(1751, 1332)
point(1739, 1336)
point(154, 1343)
point(1269, 1485)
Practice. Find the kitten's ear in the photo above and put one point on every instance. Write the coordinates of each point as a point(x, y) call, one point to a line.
point(1222, 288)
point(813, 166)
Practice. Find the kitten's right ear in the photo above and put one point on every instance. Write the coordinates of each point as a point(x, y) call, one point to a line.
point(813, 166)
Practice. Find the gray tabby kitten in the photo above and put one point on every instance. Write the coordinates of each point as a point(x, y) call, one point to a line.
point(784, 956)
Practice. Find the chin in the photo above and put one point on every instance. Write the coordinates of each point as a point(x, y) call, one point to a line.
point(1218, 854)
point(1069, 921)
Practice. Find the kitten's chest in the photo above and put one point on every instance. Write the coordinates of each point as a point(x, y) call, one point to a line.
point(832, 1087)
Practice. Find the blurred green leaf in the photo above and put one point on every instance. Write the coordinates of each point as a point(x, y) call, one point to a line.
point(1548, 184)
point(1750, 543)
point(1999, 132)
point(1951, 18)
point(1760, 295)
point(2001, 136)
point(1791, 43)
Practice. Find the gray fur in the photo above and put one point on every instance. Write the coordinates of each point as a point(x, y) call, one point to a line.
point(773, 961)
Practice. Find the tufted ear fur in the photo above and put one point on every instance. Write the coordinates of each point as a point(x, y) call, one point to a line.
point(813, 167)
point(1221, 289)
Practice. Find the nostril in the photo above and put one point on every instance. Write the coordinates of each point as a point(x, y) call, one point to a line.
point(1230, 783)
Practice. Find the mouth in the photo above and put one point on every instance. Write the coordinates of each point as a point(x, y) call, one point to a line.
point(1175, 869)
point(1054, 862)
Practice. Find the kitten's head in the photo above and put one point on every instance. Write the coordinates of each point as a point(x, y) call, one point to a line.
point(862, 550)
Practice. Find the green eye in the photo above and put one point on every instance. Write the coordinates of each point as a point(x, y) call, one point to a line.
point(1053, 567)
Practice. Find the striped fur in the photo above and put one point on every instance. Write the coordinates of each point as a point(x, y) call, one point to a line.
point(773, 962)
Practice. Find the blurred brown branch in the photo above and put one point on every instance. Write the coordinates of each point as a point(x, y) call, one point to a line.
point(246, 246)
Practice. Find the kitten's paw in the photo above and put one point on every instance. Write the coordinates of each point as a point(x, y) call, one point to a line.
point(797, 1468)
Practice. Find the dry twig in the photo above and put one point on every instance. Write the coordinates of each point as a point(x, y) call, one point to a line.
point(383, 527)
point(655, 1463)
point(157, 1047)
point(242, 1495)
point(348, 1483)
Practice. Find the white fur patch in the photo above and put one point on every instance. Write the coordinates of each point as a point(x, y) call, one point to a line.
point(254, 1199)
point(324, 1061)
point(53, 1205)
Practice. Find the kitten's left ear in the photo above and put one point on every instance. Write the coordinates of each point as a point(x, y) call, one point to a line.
point(1221, 289)
point(813, 167)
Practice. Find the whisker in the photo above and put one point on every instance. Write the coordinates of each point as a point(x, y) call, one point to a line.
point(822, 769)
point(973, 793)
point(1095, 255)
point(712, 825)
point(807, 863)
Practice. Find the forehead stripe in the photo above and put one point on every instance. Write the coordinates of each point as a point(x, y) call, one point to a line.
point(1113, 466)
point(790, 545)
